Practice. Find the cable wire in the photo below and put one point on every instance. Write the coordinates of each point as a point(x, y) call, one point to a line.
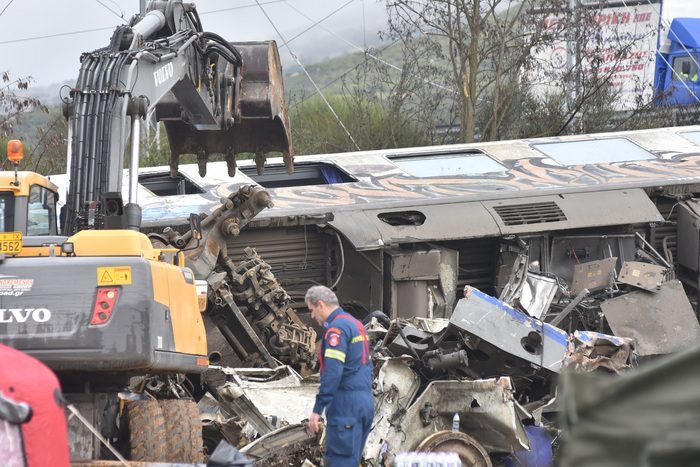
point(317, 23)
point(318, 90)
point(366, 51)
point(6, 6)
point(110, 10)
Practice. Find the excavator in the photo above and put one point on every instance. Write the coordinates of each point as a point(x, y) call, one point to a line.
point(120, 315)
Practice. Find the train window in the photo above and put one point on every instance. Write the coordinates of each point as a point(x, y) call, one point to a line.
point(306, 174)
point(692, 136)
point(440, 165)
point(162, 184)
point(597, 151)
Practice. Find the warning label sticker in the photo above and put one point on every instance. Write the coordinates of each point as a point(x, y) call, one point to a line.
point(119, 275)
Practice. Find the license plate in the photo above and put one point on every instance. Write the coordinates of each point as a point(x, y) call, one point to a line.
point(10, 243)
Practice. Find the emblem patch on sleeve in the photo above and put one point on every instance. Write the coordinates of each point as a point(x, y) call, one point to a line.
point(333, 339)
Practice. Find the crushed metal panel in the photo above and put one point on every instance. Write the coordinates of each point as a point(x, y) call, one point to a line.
point(278, 447)
point(537, 294)
point(486, 412)
point(367, 231)
point(265, 388)
point(660, 323)
point(509, 330)
point(594, 275)
point(589, 351)
point(395, 386)
point(570, 250)
point(574, 211)
point(643, 275)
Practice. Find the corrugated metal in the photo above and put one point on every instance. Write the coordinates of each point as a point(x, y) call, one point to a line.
point(299, 257)
point(477, 263)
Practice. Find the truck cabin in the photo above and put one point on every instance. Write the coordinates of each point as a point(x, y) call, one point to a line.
point(676, 79)
point(27, 206)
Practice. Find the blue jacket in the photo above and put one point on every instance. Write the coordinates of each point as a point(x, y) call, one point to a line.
point(345, 360)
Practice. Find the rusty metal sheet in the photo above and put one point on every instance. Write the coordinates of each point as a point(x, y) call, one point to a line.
point(594, 275)
point(660, 323)
point(643, 275)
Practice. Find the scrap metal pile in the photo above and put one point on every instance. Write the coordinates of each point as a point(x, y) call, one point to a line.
point(490, 368)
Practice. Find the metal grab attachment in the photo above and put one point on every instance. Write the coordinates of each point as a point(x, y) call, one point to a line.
point(246, 302)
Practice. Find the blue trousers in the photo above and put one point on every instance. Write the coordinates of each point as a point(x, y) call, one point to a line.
point(349, 419)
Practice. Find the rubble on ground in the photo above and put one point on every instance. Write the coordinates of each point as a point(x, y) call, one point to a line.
point(492, 364)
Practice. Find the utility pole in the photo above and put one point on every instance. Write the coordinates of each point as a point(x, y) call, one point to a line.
point(142, 7)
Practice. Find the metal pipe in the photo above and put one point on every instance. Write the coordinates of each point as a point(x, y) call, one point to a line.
point(134, 160)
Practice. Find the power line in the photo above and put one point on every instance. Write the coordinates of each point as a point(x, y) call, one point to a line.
point(367, 53)
point(60, 34)
point(318, 90)
point(318, 23)
point(240, 7)
point(83, 31)
point(8, 4)
point(110, 10)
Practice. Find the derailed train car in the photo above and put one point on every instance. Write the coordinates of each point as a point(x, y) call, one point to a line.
point(527, 249)
point(404, 230)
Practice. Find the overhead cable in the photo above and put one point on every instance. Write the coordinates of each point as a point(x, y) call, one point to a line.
point(318, 90)
point(367, 52)
point(8, 4)
point(111, 10)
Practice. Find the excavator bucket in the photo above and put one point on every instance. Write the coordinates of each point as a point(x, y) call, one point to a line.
point(255, 116)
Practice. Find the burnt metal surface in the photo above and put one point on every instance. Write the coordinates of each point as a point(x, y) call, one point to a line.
point(642, 275)
point(593, 275)
point(660, 323)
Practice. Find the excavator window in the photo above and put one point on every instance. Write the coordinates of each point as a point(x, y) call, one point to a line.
point(7, 212)
point(41, 211)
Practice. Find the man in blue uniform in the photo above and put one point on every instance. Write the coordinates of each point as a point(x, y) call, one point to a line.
point(346, 380)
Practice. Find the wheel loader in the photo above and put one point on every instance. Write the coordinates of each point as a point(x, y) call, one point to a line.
point(118, 314)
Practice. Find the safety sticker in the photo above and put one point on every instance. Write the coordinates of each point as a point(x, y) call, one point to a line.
point(119, 275)
point(333, 339)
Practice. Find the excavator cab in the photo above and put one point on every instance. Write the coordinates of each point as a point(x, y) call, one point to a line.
point(27, 204)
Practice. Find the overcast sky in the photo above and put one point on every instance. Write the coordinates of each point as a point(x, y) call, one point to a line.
point(54, 59)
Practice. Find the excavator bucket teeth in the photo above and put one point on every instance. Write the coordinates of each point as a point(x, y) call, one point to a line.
point(262, 123)
point(257, 120)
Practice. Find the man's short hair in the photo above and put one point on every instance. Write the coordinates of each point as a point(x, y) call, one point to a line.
point(319, 293)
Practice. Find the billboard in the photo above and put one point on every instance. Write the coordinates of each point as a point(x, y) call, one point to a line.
point(615, 43)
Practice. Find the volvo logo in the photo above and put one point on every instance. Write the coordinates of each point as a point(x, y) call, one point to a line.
point(22, 315)
point(162, 74)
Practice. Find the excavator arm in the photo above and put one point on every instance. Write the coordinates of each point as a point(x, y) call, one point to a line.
point(213, 96)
